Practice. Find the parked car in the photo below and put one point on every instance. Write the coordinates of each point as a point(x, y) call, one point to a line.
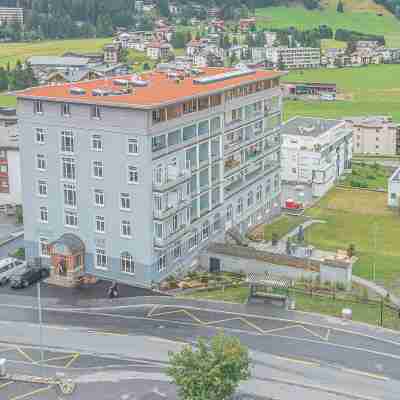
point(10, 266)
point(28, 276)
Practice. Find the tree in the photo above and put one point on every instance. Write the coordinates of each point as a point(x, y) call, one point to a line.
point(179, 40)
point(281, 64)
point(210, 372)
point(163, 7)
point(340, 8)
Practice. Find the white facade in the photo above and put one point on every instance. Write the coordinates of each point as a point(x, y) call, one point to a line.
point(394, 189)
point(375, 135)
point(294, 57)
point(315, 152)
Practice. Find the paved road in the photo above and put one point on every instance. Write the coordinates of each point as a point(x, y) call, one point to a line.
point(284, 345)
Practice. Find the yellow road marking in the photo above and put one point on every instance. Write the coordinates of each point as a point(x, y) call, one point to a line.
point(254, 326)
point(24, 396)
point(182, 311)
point(313, 333)
point(6, 384)
point(364, 373)
point(282, 329)
point(221, 320)
point(58, 358)
point(167, 313)
point(327, 334)
point(296, 360)
point(25, 355)
point(73, 359)
point(193, 317)
point(154, 308)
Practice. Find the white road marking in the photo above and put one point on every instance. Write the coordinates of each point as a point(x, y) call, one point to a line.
point(298, 361)
point(364, 373)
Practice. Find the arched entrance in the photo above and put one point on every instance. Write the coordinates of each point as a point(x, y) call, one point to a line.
point(67, 260)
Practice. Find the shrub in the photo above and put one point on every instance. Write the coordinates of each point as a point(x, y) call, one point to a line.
point(340, 286)
point(351, 250)
point(355, 183)
point(371, 177)
point(193, 275)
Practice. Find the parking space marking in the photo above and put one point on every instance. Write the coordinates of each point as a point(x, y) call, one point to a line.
point(327, 334)
point(180, 311)
point(72, 360)
point(313, 333)
point(3, 385)
point(20, 351)
point(58, 358)
point(30, 394)
point(154, 308)
point(283, 328)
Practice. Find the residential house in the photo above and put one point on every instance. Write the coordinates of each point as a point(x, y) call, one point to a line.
point(111, 53)
point(157, 50)
point(294, 57)
point(246, 23)
point(10, 15)
point(10, 176)
point(315, 152)
point(375, 135)
point(131, 179)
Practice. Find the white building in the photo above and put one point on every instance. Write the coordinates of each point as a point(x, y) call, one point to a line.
point(9, 15)
point(375, 135)
point(270, 38)
point(315, 152)
point(394, 189)
point(10, 176)
point(158, 50)
point(294, 57)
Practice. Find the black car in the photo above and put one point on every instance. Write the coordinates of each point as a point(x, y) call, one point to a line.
point(28, 276)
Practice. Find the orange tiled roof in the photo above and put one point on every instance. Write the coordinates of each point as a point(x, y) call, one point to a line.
point(160, 89)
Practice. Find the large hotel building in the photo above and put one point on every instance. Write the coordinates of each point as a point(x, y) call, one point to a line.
point(130, 178)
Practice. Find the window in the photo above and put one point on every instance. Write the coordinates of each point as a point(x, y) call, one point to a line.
point(126, 229)
point(193, 241)
point(99, 197)
point(44, 215)
point(239, 207)
point(158, 230)
point(40, 136)
point(38, 107)
point(65, 110)
point(95, 112)
point(67, 142)
point(42, 188)
point(71, 218)
point(100, 224)
point(97, 143)
point(125, 201)
point(133, 176)
point(176, 252)
point(98, 169)
point(158, 143)
point(68, 168)
point(133, 146)
point(70, 195)
point(44, 248)
point(127, 264)
point(250, 199)
point(41, 162)
point(259, 193)
point(101, 258)
point(162, 263)
point(205, 231)
point(229, 212)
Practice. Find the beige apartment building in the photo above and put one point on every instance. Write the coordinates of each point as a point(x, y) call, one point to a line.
point(375, 135)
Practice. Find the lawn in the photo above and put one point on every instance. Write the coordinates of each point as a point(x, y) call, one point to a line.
point(282, 225)
point(368, 176)
point(369, 313)
point(361, 218)
point(7, 100)
point(361, 19)
point(11, 52)
point(363, 91)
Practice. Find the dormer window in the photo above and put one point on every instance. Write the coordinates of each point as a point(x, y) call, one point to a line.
point(38, 107)
point(65, 110)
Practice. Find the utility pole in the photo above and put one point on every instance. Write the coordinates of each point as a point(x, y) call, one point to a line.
point(40, 326)
point(375, 247)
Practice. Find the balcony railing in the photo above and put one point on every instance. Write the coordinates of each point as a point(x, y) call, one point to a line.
point(171, 209)
point(170, 178)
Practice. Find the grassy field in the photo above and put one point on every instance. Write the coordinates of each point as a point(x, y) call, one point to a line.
point(11, 52)
point(366, 90)
point(282, 226)
point(361, 218)
point(368, 176)
point(7, 101)
point(362, 19)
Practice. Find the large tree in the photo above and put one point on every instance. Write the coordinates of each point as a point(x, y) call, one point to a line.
point(210, 372)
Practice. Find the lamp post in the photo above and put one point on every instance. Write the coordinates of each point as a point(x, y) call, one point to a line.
point(39, 299)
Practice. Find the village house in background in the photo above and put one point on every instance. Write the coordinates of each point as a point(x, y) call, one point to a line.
point(309, 90)
point(10, 176)
point(10, 15)
point(198, 154)
point(375, 135)
point(294, 57)
point(315, 153)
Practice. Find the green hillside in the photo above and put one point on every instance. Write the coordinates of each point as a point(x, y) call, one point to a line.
point(365, 20)
point(366, 90)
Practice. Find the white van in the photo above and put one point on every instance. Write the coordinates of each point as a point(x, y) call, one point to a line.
point(9, 266)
